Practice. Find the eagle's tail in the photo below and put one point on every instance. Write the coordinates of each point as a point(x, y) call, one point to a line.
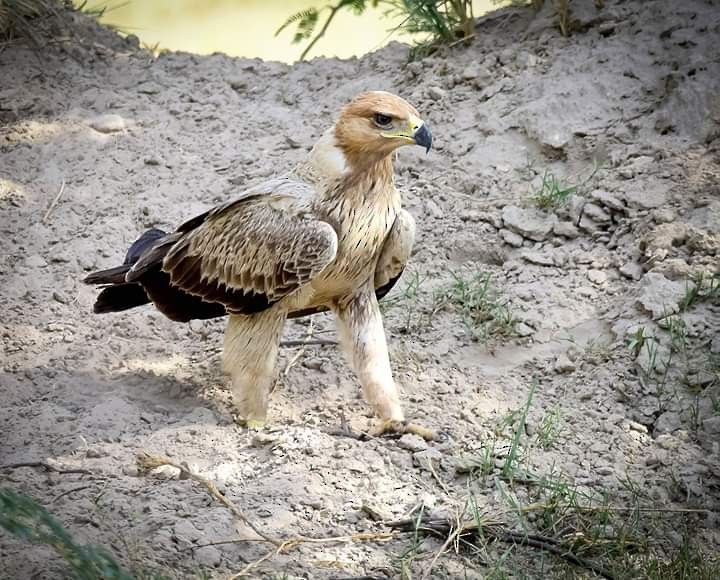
point(118, 294)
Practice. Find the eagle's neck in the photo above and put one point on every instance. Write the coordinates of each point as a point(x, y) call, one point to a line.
point(342, 171)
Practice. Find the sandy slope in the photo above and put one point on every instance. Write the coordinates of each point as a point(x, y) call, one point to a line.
point(636, 90)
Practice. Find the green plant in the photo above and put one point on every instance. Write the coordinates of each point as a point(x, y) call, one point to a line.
point(550, 429)
point(553, 192)
point(484, 310)
point(27, 520)
point(440, 21)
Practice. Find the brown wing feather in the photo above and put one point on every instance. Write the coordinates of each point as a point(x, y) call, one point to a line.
point(263, 246)
point(395, 252)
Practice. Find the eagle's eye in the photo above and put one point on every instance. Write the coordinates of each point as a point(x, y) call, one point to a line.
point(383, 121)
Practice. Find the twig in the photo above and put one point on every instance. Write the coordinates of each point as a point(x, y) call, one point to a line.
point(323, 30)
point(146, 462)
point(69, 491)
point(442, 527)
point(46, 466)
point(54, 202)
point(441, 483)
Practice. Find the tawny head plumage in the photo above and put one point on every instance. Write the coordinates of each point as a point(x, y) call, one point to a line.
point(376, 123)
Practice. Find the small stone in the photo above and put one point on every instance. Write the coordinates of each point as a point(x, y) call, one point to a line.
point(435, 93)
point(421, 458)
point(523, 330)
point(596, 213)
point(712, 425)
point(108, 123)
point(588, 224)
point(529, 223)
point(563, 364)
point(663, 215)
point(153, 161)
point(511, 238)
point(208, 556)
point(566, 230)
point(597, 276)
point(660, 296)
point(638, 427)
point(315, 364)
point(631, 270)
point(608, 200)
point(237, 83)
point(59, 297)
point(165, 472)
point(538, 258)
point(35, 261)
point(433, 209)
point(604, 470)
point(412, 442)
point(715, 344)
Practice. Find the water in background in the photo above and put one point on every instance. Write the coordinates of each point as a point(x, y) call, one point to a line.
point(247, 27)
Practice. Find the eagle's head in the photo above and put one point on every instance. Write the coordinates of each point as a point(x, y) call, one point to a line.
point(376, 123)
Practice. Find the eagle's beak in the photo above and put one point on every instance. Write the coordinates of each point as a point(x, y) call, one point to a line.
point(415, 132)
point(423, 137)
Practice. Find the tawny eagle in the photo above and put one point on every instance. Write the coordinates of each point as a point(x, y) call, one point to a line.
point(329, 235)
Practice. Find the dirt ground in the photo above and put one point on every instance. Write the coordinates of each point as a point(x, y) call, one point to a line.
point(613, 346)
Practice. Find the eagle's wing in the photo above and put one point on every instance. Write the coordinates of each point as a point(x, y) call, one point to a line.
point(249, 253)
point(395, 253)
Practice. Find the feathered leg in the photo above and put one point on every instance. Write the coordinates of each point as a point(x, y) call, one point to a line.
point(362, 337)
point(249, 353)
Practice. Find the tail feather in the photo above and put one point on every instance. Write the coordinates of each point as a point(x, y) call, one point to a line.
point(120, 297)
point(114, 275)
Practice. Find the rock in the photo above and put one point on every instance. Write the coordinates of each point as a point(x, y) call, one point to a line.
point(715, 344)
point(59, 297)
point(660, 296)
point(712, 425)
point(523, 330)
point(596, 213)
point(315, 364)
point(433, 209)
point(563, 364)
point(668, 422)
point(422, 458)
point(566, 230)
point(208, 556)
point(165, 472)
point(435, 92)
point(108, 124)
point(649, 197)
point(35, 261)
point(538, 258)
point(412, 442)
point(575, 205)
point(663, 215)
point(608, 200)
point(185, 530)
point(631, 270)
point(597, 276)
point(587, 224)
point(511, 238)
point(529, 223)
point(604, 470)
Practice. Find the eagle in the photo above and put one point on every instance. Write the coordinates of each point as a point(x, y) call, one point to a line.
point(330, 235)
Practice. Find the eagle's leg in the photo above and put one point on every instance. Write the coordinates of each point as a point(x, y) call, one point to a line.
point(362, 337)
point(249, 353)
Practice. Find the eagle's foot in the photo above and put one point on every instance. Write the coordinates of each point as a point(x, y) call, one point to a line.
point(390, 426)
point(251, 424)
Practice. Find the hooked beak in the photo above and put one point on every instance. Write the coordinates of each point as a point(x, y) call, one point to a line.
point(423, 137)
point(416, 132)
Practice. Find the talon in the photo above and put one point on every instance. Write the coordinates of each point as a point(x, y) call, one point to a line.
point(401, 428)
point(252, 424)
